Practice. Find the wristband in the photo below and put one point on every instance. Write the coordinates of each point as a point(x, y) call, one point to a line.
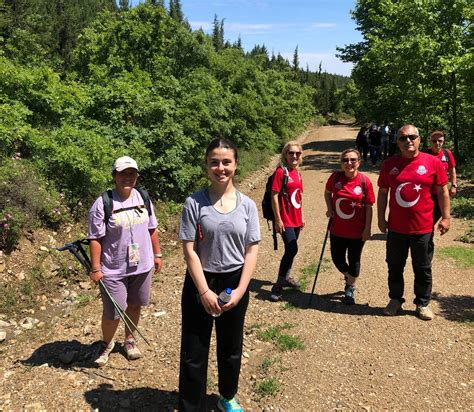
point(203, 293)
point(157, 255)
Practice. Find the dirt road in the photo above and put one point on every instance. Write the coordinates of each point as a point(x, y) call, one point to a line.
point(339, 357)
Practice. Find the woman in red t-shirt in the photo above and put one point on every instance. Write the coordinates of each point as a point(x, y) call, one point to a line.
point(349, 197)
point(287, 189)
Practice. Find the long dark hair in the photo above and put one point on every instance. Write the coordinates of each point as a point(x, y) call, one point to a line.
point(221, 142)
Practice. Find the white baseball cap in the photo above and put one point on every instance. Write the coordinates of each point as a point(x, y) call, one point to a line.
point(123, 163)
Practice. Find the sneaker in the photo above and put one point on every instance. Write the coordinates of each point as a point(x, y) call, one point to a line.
point(289, 282)
point(393, 307)
point(229, 405)
point(131, 349)
point(349, 295)
point(105, 351)
point(275, 294)
point(424, 312)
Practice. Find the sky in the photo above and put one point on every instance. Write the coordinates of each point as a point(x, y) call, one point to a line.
point(317, 27)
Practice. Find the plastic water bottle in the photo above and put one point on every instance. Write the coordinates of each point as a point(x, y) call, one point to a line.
point(222, 299)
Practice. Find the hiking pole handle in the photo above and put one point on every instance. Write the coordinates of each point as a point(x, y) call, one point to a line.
point(319, 263)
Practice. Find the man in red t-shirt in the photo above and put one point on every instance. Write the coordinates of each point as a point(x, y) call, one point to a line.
point(410, 178)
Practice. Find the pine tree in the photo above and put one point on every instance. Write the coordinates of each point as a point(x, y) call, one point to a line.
point(176, 11)
point(296, 60)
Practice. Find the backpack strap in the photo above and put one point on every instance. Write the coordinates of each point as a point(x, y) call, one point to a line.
point(107, 199)
point(108, 205)
point(448, 159)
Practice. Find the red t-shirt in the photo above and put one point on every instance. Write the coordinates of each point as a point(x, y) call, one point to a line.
point(448, 163)
point(348, 199)
point(290, 205)
point(411, 182)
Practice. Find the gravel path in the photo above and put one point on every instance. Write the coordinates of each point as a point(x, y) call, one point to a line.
point(351, 358)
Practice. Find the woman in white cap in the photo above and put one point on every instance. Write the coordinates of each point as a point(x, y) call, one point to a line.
point(125, 251)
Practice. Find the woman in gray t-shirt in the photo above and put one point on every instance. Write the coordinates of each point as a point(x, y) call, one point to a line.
point(220, 233)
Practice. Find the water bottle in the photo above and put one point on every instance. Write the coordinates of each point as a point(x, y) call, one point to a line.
point(222, 299)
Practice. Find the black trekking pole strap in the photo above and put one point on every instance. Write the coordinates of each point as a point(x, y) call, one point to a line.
point(274, 235)
point(319, 263)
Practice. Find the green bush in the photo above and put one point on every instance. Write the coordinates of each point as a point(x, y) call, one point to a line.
point(463, 207)
point(27, 202)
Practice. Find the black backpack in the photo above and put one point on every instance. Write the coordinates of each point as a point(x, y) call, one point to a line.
point(267, 209)
point(107, 200)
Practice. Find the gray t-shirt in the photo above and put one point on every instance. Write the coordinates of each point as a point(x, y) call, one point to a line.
point(123, 228)
point(224, 236)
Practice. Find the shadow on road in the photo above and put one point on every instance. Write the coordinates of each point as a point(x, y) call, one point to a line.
point(456, 308)
point(331, 302)
point(64, 355)
point(105, 398)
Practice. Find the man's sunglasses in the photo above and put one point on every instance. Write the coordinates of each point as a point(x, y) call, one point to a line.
point(412, 137)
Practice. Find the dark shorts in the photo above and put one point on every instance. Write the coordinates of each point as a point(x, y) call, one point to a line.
point(128, 290)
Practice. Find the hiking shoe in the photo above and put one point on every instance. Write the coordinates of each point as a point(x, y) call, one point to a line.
point(393, 307)
point(424, 312)
point(131, 349)
point(289, 282)
point(105, 351)
point(229, 405)
point(349, 295)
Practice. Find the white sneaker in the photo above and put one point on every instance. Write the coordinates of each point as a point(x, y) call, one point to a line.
point(131, 349)
point(424, 312)
point(104, 353)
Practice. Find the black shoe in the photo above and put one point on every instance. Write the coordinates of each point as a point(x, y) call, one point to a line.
point(291, 283)
point(275, 294)
point(349, 295)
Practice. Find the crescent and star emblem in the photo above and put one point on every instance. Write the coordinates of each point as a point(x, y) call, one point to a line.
point(340, 213)
point(398, 195)
point(295, 204)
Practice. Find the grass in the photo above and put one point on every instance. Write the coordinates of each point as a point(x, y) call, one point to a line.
point(463, 207)
point(464, 256)
point(468, 236)
point(267, 387)
point(282, 341)
point(83, 299)
point(308, 272)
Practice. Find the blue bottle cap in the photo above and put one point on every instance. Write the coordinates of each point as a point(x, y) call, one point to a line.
point(228, 291)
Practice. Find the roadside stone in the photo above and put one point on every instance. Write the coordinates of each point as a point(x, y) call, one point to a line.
point(28, 323)
point(3, 335)
point(20, 276)
point(44, 249)
point(85, 285)
point(3, 324)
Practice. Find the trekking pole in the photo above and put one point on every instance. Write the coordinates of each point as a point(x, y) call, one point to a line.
point(80, 254)
point(319, 263)
point(123, 315)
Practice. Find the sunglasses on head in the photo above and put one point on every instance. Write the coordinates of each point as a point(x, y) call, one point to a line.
point(405, 138)
point(292, 153)
point(349, 160)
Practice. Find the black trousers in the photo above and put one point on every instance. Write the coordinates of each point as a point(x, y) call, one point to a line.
point(196, 329)
point(290, 239)
point(421, 251)
point(340, 246)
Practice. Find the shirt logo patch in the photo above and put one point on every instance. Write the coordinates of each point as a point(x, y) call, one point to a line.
point(443, 159)
point(357, 190)
point(338, 185)
point(290, 180)
point(421, 170)
point(394, 171)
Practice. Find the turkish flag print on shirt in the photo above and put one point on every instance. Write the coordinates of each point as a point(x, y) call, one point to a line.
point(348, 201)
point(411, 182)
point(290, 205)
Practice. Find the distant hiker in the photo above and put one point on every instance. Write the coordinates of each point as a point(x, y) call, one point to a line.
point(288, 213)
point(125, 251)
point(362, 143)
point(349, 197)
point(385, 136)
point(392, 141)
point(375, 142)
point(220, 233)
point(410, 178)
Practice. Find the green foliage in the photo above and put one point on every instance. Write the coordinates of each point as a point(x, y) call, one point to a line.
point(463, 207)
point(283, 341)
point(267, 387)
point(414, 65)
point(27, 200)
point(463, 255)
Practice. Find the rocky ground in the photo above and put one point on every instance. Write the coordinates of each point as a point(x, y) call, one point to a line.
point(326, 356)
